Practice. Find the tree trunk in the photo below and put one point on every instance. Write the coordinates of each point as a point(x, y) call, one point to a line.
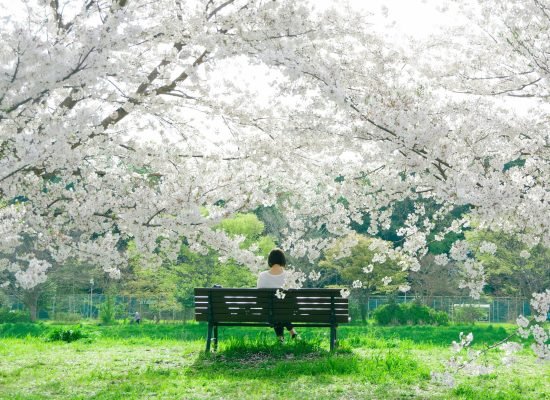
point(30, 298)
point(33, 312)
point(363, 309)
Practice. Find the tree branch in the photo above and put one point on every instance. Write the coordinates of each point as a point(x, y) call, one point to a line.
point(219, 8)
point(148, 223)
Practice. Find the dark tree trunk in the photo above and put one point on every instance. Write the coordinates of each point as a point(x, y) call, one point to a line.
point(33, 311)
point(30, 299)
point(363, 309)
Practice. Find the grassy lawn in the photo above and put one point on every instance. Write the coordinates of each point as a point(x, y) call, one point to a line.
point(168, 362)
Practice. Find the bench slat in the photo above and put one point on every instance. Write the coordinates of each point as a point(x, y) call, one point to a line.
point(235, 305)
point(290, 303)
point(276, 318)
point(254, 291)
point(288, 312)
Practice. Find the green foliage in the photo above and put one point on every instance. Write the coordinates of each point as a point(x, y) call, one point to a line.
point(518, 162)
point(172, 285)
point(265, 245)
point(509, 274)
point(468, 314)
point(351, 267)
point(195, 270)
point(65, 335)
point(107, 310)
point(409, 314)
point(249, 226)
point(13, 316)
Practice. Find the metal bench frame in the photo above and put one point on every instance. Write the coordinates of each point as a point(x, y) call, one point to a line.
point(261, 308)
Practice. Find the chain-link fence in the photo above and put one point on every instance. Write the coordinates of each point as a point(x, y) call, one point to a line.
point(75, 307)
point(492, 309)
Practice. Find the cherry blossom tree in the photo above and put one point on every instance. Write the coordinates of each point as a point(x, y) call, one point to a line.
point(498, 55)
point(151, 121)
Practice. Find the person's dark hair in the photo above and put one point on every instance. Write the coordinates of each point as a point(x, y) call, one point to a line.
point(276, 256)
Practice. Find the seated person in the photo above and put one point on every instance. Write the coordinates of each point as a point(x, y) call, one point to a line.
point(275, 278)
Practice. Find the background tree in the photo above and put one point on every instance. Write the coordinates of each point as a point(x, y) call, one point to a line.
point(141, 117)
point(435, 280)
point(513, 269)
point(361, 264)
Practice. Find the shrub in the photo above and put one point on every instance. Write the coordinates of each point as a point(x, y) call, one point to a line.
point(409, 314)
point(13, 316)
point(354, 311)
point(388, 314)
point(107, 310)
point(439, 317)
point(65, 335)
point(468, 314)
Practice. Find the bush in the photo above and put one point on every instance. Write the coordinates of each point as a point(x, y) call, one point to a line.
point(468, 314)
point(107, 310)
point(388, 314)
point(65, 335)
point(409, 314)
point(13, 316)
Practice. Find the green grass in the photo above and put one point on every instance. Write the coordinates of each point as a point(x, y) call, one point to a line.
point(168, 362)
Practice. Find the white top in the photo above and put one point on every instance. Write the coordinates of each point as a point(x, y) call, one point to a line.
point(267, 280)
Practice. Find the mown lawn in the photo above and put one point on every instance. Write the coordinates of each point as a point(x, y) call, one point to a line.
point(168, 362)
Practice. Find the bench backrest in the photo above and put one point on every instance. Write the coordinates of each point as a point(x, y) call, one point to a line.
point(261, 305)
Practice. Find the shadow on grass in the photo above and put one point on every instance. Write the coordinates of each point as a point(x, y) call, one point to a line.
point(263, 357)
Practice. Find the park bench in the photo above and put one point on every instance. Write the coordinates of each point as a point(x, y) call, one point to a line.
point(262, 308)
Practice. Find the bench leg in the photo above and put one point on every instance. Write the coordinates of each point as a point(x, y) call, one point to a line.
point(209, 337)
point(332, 337)
point(215, 338)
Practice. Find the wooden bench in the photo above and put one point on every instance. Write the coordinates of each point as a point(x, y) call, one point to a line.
point(260, 307)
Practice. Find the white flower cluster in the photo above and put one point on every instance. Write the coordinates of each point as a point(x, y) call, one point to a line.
point(386, 280)
point(464, 342)
point(379, 258)
point(488, 247)
point(443, 378)
point(33, 275)
point(457, 362)
point(441, 259)
point(11, 222)
point(314, 276)
point(404, 288)
point(540, 304)
point(357, 284)
point(474, 278)
point(459, 250)
point(509, 349)
point(294, 279)
point(524, 254)
point(368, 269)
